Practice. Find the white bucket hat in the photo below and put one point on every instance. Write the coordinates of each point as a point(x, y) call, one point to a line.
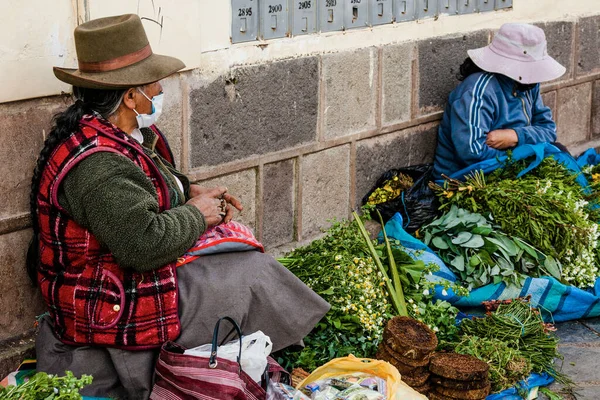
point(519, 52)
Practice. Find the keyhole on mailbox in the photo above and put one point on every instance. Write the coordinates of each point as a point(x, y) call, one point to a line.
point(354, 13)
point(330, 16)
point(380, 12)
point(274, 22)
point(243, 26)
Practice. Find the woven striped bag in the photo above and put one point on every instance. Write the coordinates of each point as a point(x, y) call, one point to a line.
point(181, 376)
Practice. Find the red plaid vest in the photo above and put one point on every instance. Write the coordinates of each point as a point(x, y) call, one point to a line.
point(91, 299)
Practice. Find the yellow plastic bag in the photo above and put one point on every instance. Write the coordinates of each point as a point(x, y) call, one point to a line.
point(397, 390)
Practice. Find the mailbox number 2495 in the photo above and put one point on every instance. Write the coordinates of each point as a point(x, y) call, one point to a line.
point(304, 5)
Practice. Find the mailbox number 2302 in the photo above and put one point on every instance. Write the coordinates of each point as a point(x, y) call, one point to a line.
point(245, 12)
point(304, 5)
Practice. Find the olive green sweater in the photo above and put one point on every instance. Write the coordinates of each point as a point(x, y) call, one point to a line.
point(113, 198)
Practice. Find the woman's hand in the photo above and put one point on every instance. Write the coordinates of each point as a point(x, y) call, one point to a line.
point(223, 200)
point(502, 139)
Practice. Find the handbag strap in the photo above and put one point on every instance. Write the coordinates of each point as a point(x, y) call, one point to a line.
point(212, 362)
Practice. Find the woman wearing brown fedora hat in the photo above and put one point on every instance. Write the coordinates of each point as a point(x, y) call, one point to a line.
point(111, 216)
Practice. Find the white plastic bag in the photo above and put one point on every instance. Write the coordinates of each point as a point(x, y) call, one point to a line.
point(255, 349)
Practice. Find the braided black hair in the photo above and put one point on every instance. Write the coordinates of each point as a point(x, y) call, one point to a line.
point(104, 102)
point(468, 67)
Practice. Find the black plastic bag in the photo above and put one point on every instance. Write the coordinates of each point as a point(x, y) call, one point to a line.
point(418, 205)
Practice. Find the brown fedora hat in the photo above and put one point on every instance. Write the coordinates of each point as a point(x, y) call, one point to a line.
point(114, 53)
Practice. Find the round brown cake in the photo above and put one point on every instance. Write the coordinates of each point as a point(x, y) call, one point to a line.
point(432, 395)
point(406, 364)
point(424, 389)
point(461, 385)
point(421, 362)
point(414, 380)
point(409, 338)
point(472, 394)
point(459, 367)
point(383, 354)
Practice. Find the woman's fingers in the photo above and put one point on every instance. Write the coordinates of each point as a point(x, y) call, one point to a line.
point(216, 192)
point(229, 214)
point(233, 201)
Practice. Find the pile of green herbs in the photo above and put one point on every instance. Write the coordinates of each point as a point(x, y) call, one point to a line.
point(546, 206)
point(366, 283)
point(42, 386)
point(514, 341)
point(479, 253)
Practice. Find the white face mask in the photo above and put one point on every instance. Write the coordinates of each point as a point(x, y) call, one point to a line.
point(146, 120)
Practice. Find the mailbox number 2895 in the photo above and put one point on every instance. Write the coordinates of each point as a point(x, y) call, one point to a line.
point(245, 12)
point(304, 5)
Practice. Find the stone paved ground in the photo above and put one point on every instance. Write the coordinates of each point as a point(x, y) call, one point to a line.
point(580, 345)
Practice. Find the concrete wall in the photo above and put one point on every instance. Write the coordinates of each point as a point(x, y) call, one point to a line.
point(301, 129)
point(37, 35)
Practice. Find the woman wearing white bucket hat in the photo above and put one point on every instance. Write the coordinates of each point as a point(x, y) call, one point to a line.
point(498, 105)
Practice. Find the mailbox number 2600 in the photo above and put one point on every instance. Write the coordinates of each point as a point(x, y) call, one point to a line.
point(245, 12)
point(304, 5)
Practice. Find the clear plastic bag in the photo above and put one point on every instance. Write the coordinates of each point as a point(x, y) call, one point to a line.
point(396, 389)
point(280, 391)
point(255, 349)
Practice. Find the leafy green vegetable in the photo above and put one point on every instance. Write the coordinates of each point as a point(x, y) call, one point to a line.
point(522, 329)
point(546, 206)
point(480, 254)
point(352, 273)
point(42, 386)
point(507, 365)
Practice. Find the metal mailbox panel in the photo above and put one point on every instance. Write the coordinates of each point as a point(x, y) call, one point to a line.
point(331, 15)
point(244, 20)
point(467, 6)
point(503, 4)
point(448, 7)
point(273, 19)
point(381, 12)
point(304, 16)
point(356, 14)
point(427, 8)
point(404, 10)
point(486, 5)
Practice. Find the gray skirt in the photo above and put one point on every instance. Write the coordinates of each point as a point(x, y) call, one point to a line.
point(251, 287)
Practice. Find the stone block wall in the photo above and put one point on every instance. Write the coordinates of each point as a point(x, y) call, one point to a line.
point(300, 141)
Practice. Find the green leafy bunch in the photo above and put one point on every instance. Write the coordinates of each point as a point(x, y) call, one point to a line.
point(522, 329)
point(480, 254)
point(438, 315)
point(366, 283)
point(545, 206)
point(340, 269)
point(43, 386)
point(507, 365)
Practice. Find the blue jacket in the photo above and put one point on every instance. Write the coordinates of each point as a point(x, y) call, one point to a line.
point(484, 102)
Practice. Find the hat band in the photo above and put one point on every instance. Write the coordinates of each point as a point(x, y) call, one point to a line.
point(116, 63)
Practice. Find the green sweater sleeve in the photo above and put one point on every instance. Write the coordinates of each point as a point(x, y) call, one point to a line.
point(113, 198)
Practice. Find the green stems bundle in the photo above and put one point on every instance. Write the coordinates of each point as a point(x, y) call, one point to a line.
point(521, 328)
point(394, 289)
